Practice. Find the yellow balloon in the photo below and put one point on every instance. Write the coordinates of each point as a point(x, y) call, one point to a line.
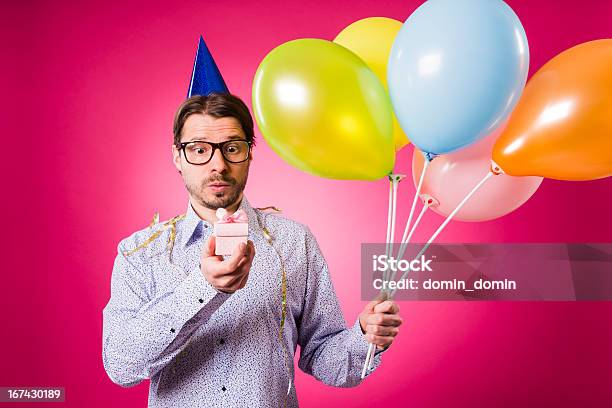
point(324, 111)
point(371, 39)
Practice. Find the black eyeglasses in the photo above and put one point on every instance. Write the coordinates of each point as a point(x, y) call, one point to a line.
point(199, 152)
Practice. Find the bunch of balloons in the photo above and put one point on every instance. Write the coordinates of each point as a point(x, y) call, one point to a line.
point(452, 78)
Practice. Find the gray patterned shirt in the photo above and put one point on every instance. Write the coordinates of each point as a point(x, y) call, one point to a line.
point(205, 348)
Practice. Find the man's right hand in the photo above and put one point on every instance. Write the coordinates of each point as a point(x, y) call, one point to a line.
point(230, 275)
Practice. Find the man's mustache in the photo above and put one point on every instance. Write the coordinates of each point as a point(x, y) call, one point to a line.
point(221, 179)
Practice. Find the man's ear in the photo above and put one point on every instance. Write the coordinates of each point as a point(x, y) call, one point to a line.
point(176, 158)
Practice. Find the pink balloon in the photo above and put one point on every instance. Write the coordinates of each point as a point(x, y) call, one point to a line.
point(450, 177)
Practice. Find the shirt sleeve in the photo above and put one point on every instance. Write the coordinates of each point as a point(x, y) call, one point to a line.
point(330, 351)
point(142, 333)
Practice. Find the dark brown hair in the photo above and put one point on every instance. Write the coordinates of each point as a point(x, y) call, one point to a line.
point(217, 105)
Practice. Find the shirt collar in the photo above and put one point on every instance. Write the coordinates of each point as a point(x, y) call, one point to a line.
point(193, 223)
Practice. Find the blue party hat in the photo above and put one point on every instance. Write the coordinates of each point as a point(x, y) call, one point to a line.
point(205, 77)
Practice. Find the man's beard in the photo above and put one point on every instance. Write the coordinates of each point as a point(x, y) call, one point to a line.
point(220, 199)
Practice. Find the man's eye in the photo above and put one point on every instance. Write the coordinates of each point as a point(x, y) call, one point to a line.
point(232, 148)
point(199, 150)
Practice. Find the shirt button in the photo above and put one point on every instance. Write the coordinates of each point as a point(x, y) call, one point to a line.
point(172, 330)
point(221, 341)
point(201, 300)
point(223, 388)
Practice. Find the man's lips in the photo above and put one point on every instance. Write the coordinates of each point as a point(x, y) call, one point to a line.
point(216, 187)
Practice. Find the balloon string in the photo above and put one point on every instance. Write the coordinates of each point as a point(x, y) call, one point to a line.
point(369, 358)
point(366, 363)
point(389, 247)
point(404, 245)
point(393, 183)
point(414, 201)
point(388, 239)
point(392, 236)
point(445, 223)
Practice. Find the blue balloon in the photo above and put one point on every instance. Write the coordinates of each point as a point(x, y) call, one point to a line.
point(456, 70)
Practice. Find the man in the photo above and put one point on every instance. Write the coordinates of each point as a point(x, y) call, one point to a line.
point(209, 331)
point(205, 330)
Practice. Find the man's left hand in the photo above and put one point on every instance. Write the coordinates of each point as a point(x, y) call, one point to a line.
point(380, 321)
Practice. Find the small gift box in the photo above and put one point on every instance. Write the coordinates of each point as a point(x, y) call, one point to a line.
point(230, 231)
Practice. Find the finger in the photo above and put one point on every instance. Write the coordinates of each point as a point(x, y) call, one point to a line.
point(247, 258)
point(247, 249)
point(243, 281)
point(383, 341)
point(369, 308)
point(208, 256)
point(250, 251)
point(388, 306)
point(230, 282)
point(245, 266)
point(384, 319)
point(241, 264)
point(381, 297)
point(209, 248)
point(238, 253)
point(242, 276)
point(389, 331)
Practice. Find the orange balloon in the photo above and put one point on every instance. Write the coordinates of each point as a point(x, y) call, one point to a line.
point(562, 126)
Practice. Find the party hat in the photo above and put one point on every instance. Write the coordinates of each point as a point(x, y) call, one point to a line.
point(205, 77)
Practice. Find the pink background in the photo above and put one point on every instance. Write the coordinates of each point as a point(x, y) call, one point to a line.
point(87, 161)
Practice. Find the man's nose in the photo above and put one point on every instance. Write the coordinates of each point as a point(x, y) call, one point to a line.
point(217, 162)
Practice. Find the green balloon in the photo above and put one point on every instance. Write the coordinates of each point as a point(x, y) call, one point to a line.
point(321, 109)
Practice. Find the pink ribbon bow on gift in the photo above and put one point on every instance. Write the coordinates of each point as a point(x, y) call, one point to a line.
point(224, 218)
